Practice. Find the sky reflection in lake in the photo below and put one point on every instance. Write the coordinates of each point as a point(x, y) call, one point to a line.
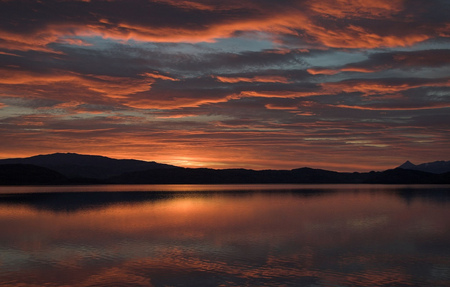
point(375, 236)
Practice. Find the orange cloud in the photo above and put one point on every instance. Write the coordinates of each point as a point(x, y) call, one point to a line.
point(9, 54)
point(274, 94)
point(69, 104)
point(159, 76)
point(173, 103)
point(325, 71)
point(188, 5)
point(255, 79)
point(288, 20)
point(250, 145)
point(40, 39)
point(127, 31)
point(322, 71)
point(381, 108)
point(378, 87)
point(18, 77)
point(112, 87)
point(359, 37)
point(176, 102)
point(357, 8)
point(193, 101)
point(444, 30)
point(116, 87)
point(276, 107)
point(177, 116)
point(75, 42)
point(357, 69)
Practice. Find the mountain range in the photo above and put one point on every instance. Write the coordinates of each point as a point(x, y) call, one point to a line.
point(71, 168)
point(74, 165)
point(432, 167)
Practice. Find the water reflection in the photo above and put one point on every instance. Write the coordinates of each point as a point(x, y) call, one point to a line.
point(298, 237)
point(68, 199)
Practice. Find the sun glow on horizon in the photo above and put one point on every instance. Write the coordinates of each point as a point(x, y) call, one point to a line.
point(337, 85)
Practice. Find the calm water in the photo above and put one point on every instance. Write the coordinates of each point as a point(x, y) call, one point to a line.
point(227, 235)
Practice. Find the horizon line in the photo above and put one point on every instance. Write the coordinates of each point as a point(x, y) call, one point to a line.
point(197, 167)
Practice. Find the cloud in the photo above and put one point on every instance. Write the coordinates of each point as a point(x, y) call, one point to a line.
point(159, 76)
point(392, 60)
point(106, 86)
point(275, 107)
point(382, 86)
point(339, 24)
point(400, 108)
point(358, 9)
point(322, 71)
point(255, 79)
point(262, 84)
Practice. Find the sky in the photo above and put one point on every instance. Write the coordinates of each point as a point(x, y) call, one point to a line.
point(345, 85)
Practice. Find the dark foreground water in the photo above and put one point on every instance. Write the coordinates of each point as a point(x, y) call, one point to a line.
point(226, 235)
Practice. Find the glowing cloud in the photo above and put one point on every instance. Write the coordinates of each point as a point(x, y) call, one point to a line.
point(253, 84)
point(256, 79)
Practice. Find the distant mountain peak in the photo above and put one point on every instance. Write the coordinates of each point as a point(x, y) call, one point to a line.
point(407, 165)
point(73, 165)
point(437, 167)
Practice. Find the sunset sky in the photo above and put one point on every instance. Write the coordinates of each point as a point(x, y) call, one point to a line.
point(345, 85)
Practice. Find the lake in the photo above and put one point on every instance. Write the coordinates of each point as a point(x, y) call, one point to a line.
point(225, 235)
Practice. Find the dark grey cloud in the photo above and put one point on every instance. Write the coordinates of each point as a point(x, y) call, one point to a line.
point(273, 83)
point(404, 60)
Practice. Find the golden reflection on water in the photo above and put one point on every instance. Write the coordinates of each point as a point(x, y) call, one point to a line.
point(317, 239)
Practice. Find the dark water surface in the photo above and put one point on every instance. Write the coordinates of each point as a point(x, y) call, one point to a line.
point(225, 235)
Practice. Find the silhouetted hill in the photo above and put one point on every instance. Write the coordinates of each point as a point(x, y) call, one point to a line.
point(403, 176)
point(27, 174)
point(432, 167)
point(71, 168)
point(444, 178)
point(302, 175)
point(186, 175)
point(75, 165)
